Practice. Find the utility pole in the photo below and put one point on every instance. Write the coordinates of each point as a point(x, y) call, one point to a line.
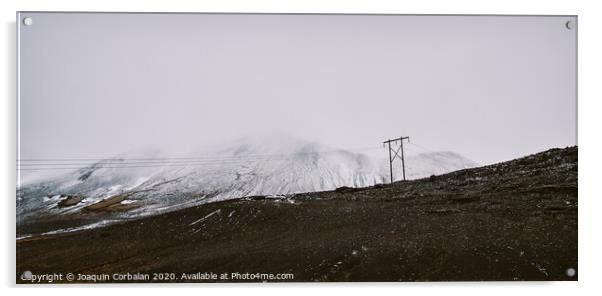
point(398, 153)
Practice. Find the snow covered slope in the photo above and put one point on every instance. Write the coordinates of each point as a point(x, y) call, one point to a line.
point(131, 186)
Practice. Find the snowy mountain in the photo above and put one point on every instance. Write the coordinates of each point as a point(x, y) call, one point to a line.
point(127, 186)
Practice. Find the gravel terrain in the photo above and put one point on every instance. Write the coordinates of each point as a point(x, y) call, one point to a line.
point(515, 220)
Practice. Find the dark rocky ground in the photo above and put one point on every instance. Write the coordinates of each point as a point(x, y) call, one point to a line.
point(510, 221)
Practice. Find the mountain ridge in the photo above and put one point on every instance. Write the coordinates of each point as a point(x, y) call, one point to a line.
point(245, 169)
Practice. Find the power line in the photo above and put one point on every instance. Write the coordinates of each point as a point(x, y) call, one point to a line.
point(204, 157)
point(127, 167)
point(51, 164)
point(137, 165)
point(118, 162)
point(208, 160)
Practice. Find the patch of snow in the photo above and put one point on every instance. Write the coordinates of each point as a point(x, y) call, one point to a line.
point(72, 229)
point(205, 218)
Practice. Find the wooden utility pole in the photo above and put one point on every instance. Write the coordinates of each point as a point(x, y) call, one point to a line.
point(398, 151)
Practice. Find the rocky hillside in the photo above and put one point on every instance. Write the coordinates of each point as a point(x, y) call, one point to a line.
point(125, 187)
point(515, 220)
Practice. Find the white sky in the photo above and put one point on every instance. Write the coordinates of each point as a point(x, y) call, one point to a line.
point(491, 88)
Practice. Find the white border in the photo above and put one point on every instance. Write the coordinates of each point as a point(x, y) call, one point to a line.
point(589, 119)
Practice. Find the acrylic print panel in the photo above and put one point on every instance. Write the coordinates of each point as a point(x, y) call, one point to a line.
point(164, 147)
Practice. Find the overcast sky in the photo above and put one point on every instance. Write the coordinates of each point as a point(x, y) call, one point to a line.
point(490, 88)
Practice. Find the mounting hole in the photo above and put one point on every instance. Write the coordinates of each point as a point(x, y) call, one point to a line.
point(28, 21)
point(569, 25)
point(571, 272)
point(27, 275)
